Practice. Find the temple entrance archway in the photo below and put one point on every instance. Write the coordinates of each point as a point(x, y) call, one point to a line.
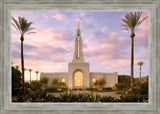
point(78, 79)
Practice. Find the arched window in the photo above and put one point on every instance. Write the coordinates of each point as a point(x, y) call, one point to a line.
point(93, 80)
point(78, 79)
point(63, 80)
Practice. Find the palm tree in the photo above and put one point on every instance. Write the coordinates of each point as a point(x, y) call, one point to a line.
point(25, 69)
point(23, 27)
point(30, 70)
point(37, 75)
point(131, 21)
point(140, 64)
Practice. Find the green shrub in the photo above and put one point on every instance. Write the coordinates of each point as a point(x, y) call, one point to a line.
point(107, 99)
point(144, 88)
point(41, 96)
point(107, 88)
point(35, 85)
point(44, 81)
point(121, 86)
point(99, 83)
point(27, 85)
point(55, 82)
point(16, 80)
point(133, 98)
point(51, 89)
point(124, 79)
point(62, 85)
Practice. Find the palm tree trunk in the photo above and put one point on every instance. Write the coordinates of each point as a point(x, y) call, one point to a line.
point(30, 77)
point(22, 62)
point(140, 73)
point(37, 76)
point(132, 60)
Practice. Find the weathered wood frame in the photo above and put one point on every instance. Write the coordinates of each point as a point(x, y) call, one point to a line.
point(152, 6)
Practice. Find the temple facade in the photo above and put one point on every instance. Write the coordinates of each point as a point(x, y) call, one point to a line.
point(79, 75)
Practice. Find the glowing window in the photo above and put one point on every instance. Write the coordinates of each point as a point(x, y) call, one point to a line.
point(63, 80)
point(78, 49)
point(93, 80)
point(78, 79)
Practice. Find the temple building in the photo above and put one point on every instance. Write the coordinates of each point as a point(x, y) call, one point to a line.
point(79, 75)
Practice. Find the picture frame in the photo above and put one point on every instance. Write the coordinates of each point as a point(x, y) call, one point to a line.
point(6, 104)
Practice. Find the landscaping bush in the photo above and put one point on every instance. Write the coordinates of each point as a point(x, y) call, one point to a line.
point(137, 83)
point(107, 88)
point(26, 85)
point(35, 85)
point(107, 99)
point(55, 82)
point(99, 83)
point(44, 81)
point(144, 88)
point(124, 79)
point(133, 98)
point(41, 96)
point(16, 80)
point(62, 85)
point(121, 86)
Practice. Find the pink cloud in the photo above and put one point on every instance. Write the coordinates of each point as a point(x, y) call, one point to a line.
point(141, 38)
point(46, 46)
point(110, 48)
point(82, 14)
point(58, 16)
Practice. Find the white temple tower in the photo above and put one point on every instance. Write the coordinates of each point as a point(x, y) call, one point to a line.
point(78, 69)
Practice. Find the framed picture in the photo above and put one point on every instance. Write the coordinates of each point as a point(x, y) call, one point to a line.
point(93, 42)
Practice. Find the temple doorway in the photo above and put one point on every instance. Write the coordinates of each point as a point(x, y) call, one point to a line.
point(78, 79)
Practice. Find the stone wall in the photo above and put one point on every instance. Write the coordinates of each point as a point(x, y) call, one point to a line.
point(58, 75)
point(111, 78)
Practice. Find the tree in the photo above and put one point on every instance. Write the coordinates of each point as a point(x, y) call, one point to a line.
point(140, 65)
point(35, 85)
point(62, 85)
point(124, 79)
point(17, 67)
point(36, 75)
point(16, 80)
point(96, 84)
point(102, 82)
point(99, 83)
point(131, 21)
point(30, 70)
point(55, 82)
point(23, 27)
point(44, 81)
point(121, 86)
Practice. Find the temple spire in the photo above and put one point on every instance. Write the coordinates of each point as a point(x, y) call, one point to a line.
point(78, 53)
point(78, 24)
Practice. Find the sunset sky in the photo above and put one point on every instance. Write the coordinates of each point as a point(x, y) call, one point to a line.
point(105, 45)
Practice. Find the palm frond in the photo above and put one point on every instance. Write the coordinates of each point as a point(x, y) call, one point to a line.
point(131, 20)
point(22, 25)
point(15, 27)
point(16, 23)
point(31, 32)
point(142, 20)
point(140, 63)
